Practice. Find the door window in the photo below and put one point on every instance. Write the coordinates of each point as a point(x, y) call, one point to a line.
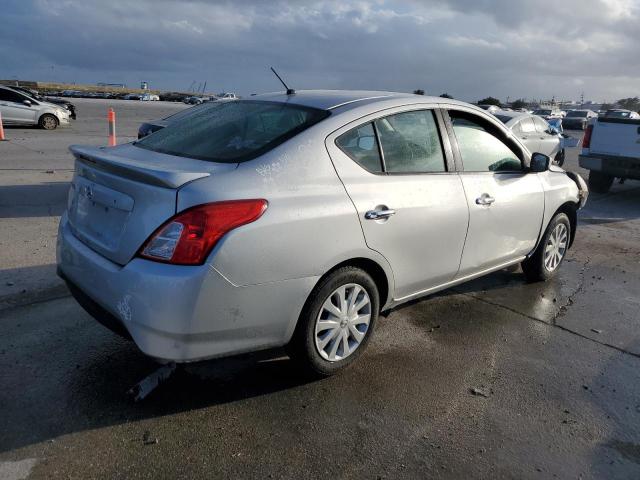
point(410, 143)
point(527, 126)
point(541, 125)
point(482, 145)
point(10, 96)
point(360, 144)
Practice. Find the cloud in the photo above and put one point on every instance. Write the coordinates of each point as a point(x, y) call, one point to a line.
point(469, 48)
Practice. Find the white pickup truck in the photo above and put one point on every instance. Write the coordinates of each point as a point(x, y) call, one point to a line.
point(610, 149)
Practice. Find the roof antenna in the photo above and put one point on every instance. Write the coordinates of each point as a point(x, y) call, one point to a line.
point(290, 91)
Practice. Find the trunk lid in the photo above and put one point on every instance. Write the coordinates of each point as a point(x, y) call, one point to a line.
point(120, 195)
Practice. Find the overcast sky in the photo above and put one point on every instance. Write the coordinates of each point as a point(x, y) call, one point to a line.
point(468, 48)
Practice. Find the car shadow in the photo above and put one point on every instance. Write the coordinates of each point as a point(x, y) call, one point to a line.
point(38, 200)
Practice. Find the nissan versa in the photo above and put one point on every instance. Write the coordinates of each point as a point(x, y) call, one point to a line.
point(295, 219)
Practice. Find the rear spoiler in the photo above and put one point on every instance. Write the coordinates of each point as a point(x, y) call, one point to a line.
point(103, 159)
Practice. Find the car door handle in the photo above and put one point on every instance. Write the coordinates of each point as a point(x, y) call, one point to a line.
point(379, 214)
point(485, 199)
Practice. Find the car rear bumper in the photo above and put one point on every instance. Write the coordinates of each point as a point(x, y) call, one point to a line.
point(180, 313)
point(624, 167)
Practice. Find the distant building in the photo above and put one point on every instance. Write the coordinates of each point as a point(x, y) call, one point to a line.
point(144, 86)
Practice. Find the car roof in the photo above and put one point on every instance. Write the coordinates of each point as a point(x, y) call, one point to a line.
point(512, 114)
point(345, 99)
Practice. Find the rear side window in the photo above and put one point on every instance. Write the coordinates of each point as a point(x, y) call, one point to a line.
point(410, 143)
point(360, 144)
point(231, 132)
point(480, 145)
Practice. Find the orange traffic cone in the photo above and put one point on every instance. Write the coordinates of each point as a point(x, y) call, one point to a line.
point(111, 117)
point(2, 139)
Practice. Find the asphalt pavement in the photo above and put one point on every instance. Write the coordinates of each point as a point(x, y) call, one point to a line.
point(496, 378)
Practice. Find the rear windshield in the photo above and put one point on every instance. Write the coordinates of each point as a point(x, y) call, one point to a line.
point(231, 132)
point(542, 112)
point(577, 114)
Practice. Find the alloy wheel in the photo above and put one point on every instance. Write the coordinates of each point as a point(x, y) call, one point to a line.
point(343, 322)
point(556, 247)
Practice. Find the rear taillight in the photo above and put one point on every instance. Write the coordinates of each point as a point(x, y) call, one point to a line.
point(586, 140)
point(189, 237)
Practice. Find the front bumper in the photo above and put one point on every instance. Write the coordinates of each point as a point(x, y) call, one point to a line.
point(182, 313)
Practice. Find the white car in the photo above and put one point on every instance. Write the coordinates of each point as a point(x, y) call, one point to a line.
point(148, 97)
point(17, 108)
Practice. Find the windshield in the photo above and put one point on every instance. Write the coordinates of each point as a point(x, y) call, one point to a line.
point(577, 114)
point(231, 132)
point(617, 114)
point(542, 112)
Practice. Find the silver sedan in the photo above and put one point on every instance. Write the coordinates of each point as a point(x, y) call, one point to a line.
point(295, 219)
point(535, 133)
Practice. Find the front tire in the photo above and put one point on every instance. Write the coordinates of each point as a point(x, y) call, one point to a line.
point(600, 182)
point(48, 122)
point(548, 256)
point(559, 158)
point(336, 322)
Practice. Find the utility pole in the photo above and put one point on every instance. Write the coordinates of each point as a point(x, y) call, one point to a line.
point(582, 100)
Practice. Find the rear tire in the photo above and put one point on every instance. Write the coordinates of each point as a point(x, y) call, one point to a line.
point(559, 158)
point(48, 122)
point(599, 182)
point(548, 256)
point(336, 322)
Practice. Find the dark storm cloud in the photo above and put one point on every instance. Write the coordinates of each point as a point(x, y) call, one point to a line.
point(469, 48)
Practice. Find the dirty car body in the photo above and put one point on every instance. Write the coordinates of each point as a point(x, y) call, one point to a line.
point(400, 187)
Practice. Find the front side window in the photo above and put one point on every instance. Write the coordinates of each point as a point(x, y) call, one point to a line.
point(11, 96)
point(360, 144)
point(541, 124)
point(527, 126)
point(481, 146)
point(410, 143)
point(231, 132)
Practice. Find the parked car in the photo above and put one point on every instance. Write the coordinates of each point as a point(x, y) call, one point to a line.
point(151, 126)
point(490, 108)
point(132, 96)
point(293, 220)
point(193, 100)
point(149, 97)
point(610, 149)
point(578, 119)
point(49, 99)
point(548, 113)
point(621, 113)
point(227, 96)
point(535, 133)
point(18, 108)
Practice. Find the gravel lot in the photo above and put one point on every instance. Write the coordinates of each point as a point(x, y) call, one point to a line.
point(555, 367)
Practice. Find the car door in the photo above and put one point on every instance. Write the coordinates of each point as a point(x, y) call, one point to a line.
point(526, 132)
point(397, 169)
point(13, 108)
point(506, 204)
point(549, 142)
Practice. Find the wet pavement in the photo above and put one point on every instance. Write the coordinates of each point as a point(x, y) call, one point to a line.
point(496, 378)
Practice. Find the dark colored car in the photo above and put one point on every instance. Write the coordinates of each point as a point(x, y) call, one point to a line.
point(56, 101)
point(578, 119)
point(154, 125)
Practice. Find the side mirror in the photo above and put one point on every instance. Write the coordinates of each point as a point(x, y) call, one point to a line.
point(27, 102)
point(539, 163)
